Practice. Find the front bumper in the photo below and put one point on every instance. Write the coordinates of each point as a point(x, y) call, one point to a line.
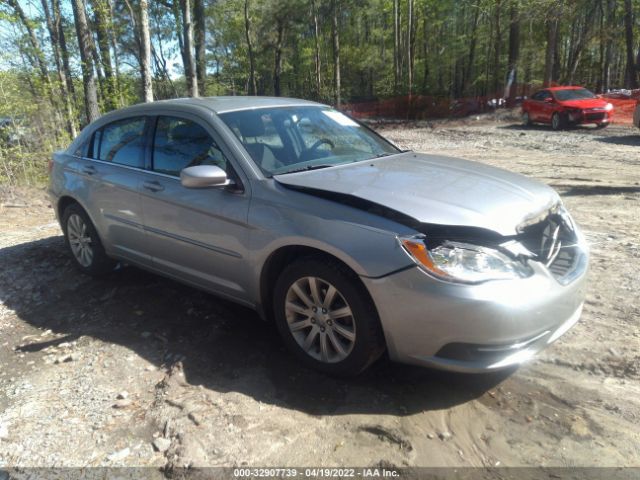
point(582, 117)
point(476, 328)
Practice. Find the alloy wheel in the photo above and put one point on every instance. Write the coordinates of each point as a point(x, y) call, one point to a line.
point(320, 319)
point(80, 240)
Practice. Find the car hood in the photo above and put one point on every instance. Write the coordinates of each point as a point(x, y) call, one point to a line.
point(586, 103)
point(436, 190)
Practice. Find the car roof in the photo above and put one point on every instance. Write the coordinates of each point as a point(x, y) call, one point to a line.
point(221, 104)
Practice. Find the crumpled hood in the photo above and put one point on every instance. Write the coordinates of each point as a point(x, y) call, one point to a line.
point(436, 189)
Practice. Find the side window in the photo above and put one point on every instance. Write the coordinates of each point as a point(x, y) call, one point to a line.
point(539, 96)
point(179, 143)
point(121, 142)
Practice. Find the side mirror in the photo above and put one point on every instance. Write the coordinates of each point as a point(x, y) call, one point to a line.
point(203, 176)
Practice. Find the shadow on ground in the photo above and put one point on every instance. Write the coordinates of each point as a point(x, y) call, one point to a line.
point(627, 140)
point(225, 347)
point(582, 190)
point(632, 140)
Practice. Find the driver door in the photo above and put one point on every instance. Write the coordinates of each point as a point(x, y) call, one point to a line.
point(547, 108)
point(198, 235)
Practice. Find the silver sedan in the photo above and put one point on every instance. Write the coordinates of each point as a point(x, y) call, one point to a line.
point(351, 246)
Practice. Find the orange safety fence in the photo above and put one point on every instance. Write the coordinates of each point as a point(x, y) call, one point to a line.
point(623, 109)
point(421, 107)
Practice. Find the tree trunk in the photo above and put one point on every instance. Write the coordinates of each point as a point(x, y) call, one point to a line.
point(102, 21)
point(116, 58)
point(336, 52)
point(277, 68)
point(64, 53)
point(631, 75)
point(84, 42)
point(36, 51)
point(514, 54)
point(472, 51)
point(62, 83)
point(550, 54)
point(189, 65)
point(98, 70)
point(396, 45)
point(145, 52)
point(253, 90)
point(425, 53)
point(410, 47)
point(200, 38)
point(497, 51)
point(316, 37)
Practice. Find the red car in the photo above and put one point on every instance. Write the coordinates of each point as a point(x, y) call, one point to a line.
point(564, 106)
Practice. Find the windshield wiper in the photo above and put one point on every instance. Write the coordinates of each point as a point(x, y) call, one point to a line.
point(389, 154)
point(308, 167)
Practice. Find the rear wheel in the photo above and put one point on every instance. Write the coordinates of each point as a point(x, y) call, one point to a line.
point(526, 119)
point(326, 318)
point(558, 121)
point(83, 242)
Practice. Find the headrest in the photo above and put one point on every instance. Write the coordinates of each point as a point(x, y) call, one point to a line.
point(249, 123)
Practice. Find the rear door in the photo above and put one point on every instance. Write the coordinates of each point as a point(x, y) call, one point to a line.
point(197, 235)
point(537, 106)
point(113, 171)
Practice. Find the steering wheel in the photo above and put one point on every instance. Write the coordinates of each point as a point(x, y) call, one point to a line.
point(322, 141)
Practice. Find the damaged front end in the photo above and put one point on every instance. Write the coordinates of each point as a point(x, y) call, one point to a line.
point(475, 255)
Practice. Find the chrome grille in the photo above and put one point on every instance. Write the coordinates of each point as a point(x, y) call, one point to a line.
point(594, 116)
point(563, 263)
point(553, 243)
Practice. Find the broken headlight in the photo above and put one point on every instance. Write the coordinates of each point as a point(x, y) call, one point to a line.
point(463, 262)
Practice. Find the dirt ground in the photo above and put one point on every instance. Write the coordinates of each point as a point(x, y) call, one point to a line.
point(134, 369)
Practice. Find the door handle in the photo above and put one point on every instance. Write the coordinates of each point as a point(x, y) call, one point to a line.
point(88, 169)
point(153, 186)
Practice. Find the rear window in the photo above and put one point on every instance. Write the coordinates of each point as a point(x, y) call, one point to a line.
point(120, 142)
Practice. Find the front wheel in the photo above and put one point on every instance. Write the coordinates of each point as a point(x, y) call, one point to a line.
point(326, 317)
point(558, 121)
point(83, 242)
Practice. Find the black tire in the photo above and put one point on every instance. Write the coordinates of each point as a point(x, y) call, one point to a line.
point(526, 119)
point(558, 121)
point(600, 126)
point(369, 340)
point(100, 263)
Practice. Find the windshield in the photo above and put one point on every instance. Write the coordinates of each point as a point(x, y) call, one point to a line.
point(286, 139)
point(573, 94)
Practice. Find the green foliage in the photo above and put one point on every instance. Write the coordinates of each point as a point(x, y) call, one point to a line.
point(450, 49)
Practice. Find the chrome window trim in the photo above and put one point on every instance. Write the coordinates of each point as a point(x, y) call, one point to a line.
point(128, 167)
point(137, 169)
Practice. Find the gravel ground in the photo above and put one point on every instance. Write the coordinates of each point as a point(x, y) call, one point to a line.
point(137, 370)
